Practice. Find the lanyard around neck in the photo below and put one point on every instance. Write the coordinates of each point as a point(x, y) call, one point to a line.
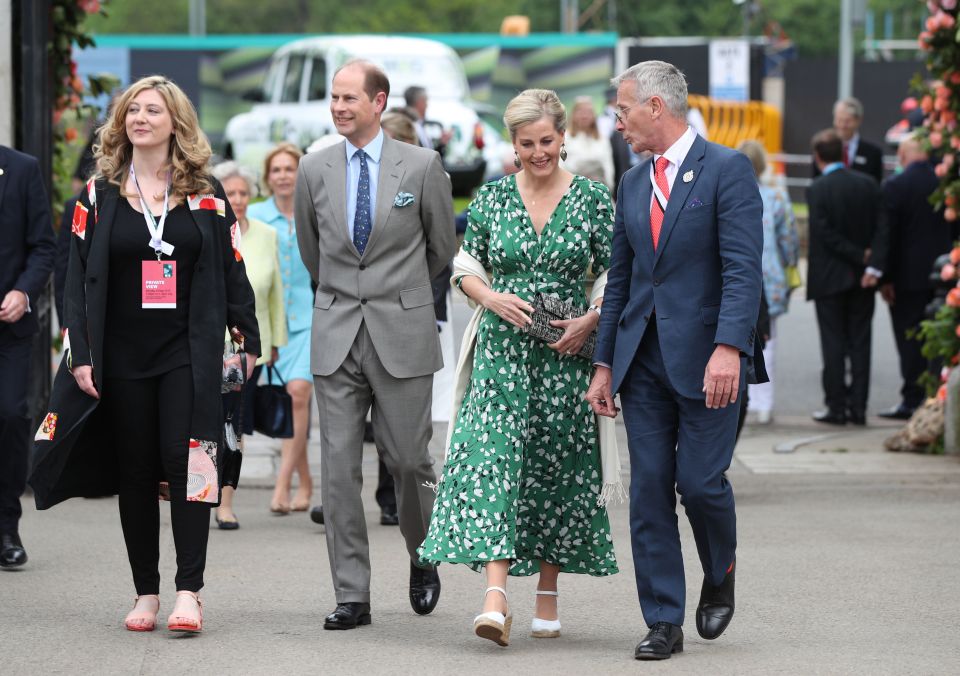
point(155, 229)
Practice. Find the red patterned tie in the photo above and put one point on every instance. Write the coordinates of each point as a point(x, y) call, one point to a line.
point(656, 212)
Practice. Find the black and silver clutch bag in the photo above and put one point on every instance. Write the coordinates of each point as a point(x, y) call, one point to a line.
point(547, 309)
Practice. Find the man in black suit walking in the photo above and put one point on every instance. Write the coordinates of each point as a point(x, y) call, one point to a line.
point(843, 246)
point(917, 235)
point(856, 153)
point(27, 251)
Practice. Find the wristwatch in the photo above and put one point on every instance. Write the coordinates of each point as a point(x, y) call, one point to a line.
point(594, 308)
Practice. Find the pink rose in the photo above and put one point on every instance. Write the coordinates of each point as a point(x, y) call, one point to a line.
point(940, 170)
point(948, 4)
point(948, 272)
point(950, 214)
point(947, 21)
point(936, 139)
point(955, 142)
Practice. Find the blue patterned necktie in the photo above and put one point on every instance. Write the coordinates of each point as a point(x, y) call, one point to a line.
point(361, 220)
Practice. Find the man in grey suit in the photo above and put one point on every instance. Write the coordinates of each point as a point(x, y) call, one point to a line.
point(374, 224)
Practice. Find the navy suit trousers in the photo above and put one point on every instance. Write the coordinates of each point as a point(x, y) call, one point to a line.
point(677, 445)
point(14, 425)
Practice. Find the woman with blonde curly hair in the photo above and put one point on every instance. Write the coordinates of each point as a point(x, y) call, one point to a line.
point(155, 278)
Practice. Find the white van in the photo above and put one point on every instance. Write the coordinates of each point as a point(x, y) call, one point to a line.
point(294, 104)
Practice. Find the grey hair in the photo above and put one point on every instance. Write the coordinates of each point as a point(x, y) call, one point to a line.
point(231, 169)
point(853, 106)
point(658, 78)
point(532, 104)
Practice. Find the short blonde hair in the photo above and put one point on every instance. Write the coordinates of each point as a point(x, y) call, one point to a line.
point(399, 127)
point(189, 149)
point(756, 153)
point(532, 105)
point(283, 147)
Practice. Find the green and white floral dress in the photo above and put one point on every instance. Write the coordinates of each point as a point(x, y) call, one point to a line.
point(523, 472)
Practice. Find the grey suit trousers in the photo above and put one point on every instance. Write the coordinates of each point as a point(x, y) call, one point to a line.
point(402, 425)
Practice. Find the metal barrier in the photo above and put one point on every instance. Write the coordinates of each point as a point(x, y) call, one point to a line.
point(731, 122)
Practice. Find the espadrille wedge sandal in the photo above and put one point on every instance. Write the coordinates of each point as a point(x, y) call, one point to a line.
point(545, 628)
point(494, 626)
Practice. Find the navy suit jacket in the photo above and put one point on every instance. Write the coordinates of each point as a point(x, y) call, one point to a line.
point(26, 234)
point(704, 279)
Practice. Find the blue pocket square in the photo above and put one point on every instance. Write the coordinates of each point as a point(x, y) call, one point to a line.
point(403, 199)
point(694, 203)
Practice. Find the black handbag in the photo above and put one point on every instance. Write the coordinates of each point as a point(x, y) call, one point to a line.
point(547, 309)
point(273, 408)
point(232, 458)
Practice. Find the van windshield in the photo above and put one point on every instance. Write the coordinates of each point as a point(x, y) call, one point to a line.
point(442, 77)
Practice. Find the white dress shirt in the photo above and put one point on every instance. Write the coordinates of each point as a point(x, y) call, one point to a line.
point(676, 153)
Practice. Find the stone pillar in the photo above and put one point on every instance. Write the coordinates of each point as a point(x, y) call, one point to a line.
point(951, 415)
point(6, 73)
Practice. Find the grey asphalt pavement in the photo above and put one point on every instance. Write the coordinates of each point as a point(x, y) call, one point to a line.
point(847, 565)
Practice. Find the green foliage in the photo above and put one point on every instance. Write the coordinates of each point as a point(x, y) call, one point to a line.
point(811, 24)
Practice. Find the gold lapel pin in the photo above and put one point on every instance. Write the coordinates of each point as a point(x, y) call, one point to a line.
point(687, 177)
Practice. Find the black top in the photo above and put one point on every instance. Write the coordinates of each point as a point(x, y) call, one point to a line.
point(140, 343)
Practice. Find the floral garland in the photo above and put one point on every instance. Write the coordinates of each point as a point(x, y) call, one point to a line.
point(68, 89)
point(941, 136)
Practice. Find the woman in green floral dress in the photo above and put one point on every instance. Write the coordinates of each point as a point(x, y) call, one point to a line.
point(520, 487)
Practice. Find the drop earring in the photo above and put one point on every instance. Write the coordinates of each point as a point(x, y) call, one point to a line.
point(563, 152)
point(516, 159)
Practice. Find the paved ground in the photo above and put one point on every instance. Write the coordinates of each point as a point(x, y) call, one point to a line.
point(848, 559)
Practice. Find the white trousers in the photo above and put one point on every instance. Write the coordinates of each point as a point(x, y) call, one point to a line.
point(761, 395)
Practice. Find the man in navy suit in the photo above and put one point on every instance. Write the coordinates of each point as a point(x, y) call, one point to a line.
point(27, 251)
point(677, 338)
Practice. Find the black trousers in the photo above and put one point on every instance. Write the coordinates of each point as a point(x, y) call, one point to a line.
point(906, 313)
point(845, 320)
point(14, 426)
point(151, 421)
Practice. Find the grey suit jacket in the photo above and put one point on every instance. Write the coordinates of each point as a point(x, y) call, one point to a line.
point(389, 286)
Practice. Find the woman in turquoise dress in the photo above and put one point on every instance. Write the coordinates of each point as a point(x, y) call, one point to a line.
point(521, 484)
point(293, 365)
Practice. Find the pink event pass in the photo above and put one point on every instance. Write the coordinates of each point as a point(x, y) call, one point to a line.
point(159, 284)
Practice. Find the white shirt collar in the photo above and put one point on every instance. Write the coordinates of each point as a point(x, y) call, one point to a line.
point(373, 149)
point(677, 153)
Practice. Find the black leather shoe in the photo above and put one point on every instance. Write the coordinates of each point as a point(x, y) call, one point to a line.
point(389, 516)
point(901, 412)
point(660, 643)
point(716, 606)
point(856, 418)
point(424, 589)
point(316, 514)
point(830, 418)
point(12, 553)
point(348, 616)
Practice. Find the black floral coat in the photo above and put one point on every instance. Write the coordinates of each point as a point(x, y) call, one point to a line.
point(74, 451)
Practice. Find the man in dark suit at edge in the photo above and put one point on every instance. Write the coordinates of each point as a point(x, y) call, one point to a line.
point(917, 235)
point(27, 251)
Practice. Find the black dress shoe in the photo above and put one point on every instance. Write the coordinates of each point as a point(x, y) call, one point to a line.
point(389, 516)
point(830, 417)
point(348, 616)
point(12, 553)
point(660, 643)
point(424, 589)
point(901, 412)
point(316, 514)
point(716, 606)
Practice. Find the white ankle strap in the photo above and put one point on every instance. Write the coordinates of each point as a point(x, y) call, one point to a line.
point(499, 589)
point(547, 593)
